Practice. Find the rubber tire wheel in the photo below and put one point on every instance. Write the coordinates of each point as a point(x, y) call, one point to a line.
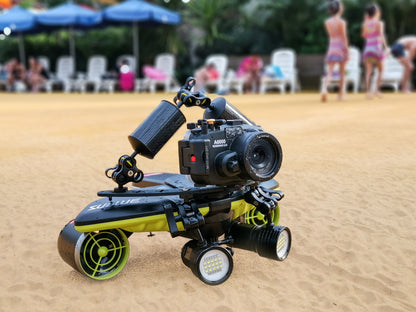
point(102, 255)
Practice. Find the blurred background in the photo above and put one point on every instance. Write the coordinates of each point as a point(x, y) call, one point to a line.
point(233, 27)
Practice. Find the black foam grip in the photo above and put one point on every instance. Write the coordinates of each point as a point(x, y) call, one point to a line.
point(157, 129)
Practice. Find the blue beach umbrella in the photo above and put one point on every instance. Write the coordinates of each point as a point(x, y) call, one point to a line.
point(72, 16)
point(138, 12)
point(17, 21)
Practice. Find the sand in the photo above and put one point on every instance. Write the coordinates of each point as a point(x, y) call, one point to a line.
point(349, 174)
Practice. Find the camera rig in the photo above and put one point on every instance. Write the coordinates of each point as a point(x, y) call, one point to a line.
point(224, 197)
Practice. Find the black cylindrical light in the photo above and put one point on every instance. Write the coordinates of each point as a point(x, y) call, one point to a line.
point(157, 129)
point(269, 242)
point(212, 264)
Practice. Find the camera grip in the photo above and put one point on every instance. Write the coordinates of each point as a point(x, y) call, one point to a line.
point(221, 109)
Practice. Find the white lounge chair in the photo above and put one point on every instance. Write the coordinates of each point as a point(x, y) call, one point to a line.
point(392, 73)
point(353, 69)
point(165, 64)
point(65, 70)
point(352, 72)
point(96, 68)
point(44, 61)
point(285, 59)
point(234, 83)
point(221, 65)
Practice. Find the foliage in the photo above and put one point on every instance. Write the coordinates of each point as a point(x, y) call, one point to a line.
point(238, 27)
point(212, 17)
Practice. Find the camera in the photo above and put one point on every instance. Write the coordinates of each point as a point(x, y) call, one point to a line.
point(223, 148)
point(231, 162)
point(229, 150)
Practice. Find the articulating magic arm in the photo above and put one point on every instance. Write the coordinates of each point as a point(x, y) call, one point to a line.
point(124, 172)
point(154, 133)
point(188, 98)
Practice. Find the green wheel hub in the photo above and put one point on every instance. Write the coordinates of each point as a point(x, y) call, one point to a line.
point(103, 251)
point(255, 217)
point(102, 255)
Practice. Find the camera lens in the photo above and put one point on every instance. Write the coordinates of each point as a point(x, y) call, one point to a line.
point(261, 156)
point(260, 153)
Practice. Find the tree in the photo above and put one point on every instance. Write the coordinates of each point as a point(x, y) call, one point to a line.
point(238, 27)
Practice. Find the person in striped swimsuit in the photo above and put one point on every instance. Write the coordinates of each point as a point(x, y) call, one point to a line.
point(375, 43)
point(337, 53)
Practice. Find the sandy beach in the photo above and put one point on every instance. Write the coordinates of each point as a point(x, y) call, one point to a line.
point(348, 174)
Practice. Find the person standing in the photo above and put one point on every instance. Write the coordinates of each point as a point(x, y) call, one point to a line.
point(398, 50)
point(125, 76)
point(375, 43)
point(336, 28)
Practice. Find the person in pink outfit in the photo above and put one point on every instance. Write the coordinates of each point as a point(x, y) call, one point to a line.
point(204, 74)
point(125, 76)
point(250, 70)
point(337, 53)
point(375, 45)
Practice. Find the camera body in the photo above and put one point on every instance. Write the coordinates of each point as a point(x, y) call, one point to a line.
point(228, 152)
point(225, 148)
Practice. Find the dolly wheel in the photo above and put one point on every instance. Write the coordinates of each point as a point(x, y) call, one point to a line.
point(255, 217)
point(103, 254)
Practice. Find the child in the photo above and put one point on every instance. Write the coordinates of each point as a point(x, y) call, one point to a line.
point(398, 50)
point(125, 76)
point(373, 33)
point(337, 53)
